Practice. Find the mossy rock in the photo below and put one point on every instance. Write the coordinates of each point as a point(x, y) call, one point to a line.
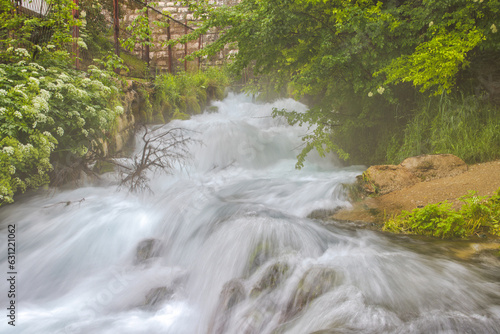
point(272, 277)
point(259, 256)
point(102, 167)
point(180, 115)
point(147, 249)
point(157, 296)
point(213, 109)
point(232, 294)
point(315, 282)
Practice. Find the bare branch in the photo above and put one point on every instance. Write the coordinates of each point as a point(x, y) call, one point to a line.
point(160, 152)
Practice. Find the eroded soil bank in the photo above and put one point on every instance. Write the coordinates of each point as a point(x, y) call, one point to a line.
point(483, 178)
point(371, 211)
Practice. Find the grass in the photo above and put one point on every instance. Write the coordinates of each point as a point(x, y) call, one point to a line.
point(466, 127)
point(478, 215)
point(188, 93)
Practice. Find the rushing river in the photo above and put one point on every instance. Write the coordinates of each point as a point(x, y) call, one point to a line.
point(224, 245)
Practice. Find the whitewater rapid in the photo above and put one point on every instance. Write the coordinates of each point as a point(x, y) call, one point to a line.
point(223, 245)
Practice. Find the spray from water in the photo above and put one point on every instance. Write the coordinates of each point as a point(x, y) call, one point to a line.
point(224, 245)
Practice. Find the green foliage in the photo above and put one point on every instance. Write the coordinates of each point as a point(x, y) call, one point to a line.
point(140, 29)
point(362, 64)
point(112, 63)
point(178, 96)
point(465, 127)
point(137, 67)
point(38, 37)
point(477, 215)
point(49, 113)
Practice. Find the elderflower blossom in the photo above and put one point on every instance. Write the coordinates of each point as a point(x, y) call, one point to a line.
point(119, 110)
point(18, 114)
point(12, 169)
point(85, 132)
point(22, 52)
point(102, 122)
point(370, 94)
point(493, 28)
point(64, 77)
point(60, 131)
point(42, 118)
point(431, 24)
point(2, 111)
point(37, 66)
point(33, 81)
point(381, 90)
point(40, 104)
point(8, 150)
point(3, 92)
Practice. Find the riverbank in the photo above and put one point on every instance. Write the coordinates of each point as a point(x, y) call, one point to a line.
point(371, 211)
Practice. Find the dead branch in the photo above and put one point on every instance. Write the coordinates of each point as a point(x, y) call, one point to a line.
point(160, 153)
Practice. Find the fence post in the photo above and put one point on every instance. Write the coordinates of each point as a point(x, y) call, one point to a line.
point(116, 26)
point(185, 45)
point(199, 48)
point(146, 47)
point(169, 48)
point(76, 35)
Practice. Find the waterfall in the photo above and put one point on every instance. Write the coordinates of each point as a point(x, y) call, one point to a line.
point(224, 244)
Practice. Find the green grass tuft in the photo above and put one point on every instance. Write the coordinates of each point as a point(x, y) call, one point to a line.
point(477, 215)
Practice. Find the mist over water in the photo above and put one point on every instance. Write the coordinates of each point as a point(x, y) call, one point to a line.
point(224, 245)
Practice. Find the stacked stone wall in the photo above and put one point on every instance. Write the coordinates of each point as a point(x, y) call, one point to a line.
point(159, 55)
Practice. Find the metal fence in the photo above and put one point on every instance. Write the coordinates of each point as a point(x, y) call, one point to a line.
point(163, 57)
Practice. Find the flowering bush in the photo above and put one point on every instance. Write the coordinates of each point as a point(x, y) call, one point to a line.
point(49, 115)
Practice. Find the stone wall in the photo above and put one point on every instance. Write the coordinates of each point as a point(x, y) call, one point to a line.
point(159, 54)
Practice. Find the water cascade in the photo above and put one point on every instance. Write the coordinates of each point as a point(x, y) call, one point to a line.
point(225, 245)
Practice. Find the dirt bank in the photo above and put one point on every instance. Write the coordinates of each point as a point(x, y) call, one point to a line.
point(483, 178)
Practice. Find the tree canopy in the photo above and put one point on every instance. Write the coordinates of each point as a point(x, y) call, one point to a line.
point(363, 64)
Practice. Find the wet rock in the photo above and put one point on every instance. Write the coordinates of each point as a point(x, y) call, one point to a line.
point(272, 277)
point(323, 213)
point(259, 256)
point(315, 282)
point(232, 293)
point(147, 249)
point(157, 296)
point(435, 166)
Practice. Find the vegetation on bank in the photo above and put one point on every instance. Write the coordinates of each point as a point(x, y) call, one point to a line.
point(376, 74)
point(54, 119)
point(478, 215)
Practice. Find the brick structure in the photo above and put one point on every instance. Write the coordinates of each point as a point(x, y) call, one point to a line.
point(159, 55)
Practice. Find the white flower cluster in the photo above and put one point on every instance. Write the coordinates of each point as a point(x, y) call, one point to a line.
point(22, 52)
point(25, 148)
point(60, 131)
point(493, 28)
point(12, 169)
point(119, 110)
point(8, 150)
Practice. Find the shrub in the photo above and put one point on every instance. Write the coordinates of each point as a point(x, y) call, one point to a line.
point(50, 115)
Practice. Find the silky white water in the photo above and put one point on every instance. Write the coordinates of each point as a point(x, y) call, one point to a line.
point(232, 250)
